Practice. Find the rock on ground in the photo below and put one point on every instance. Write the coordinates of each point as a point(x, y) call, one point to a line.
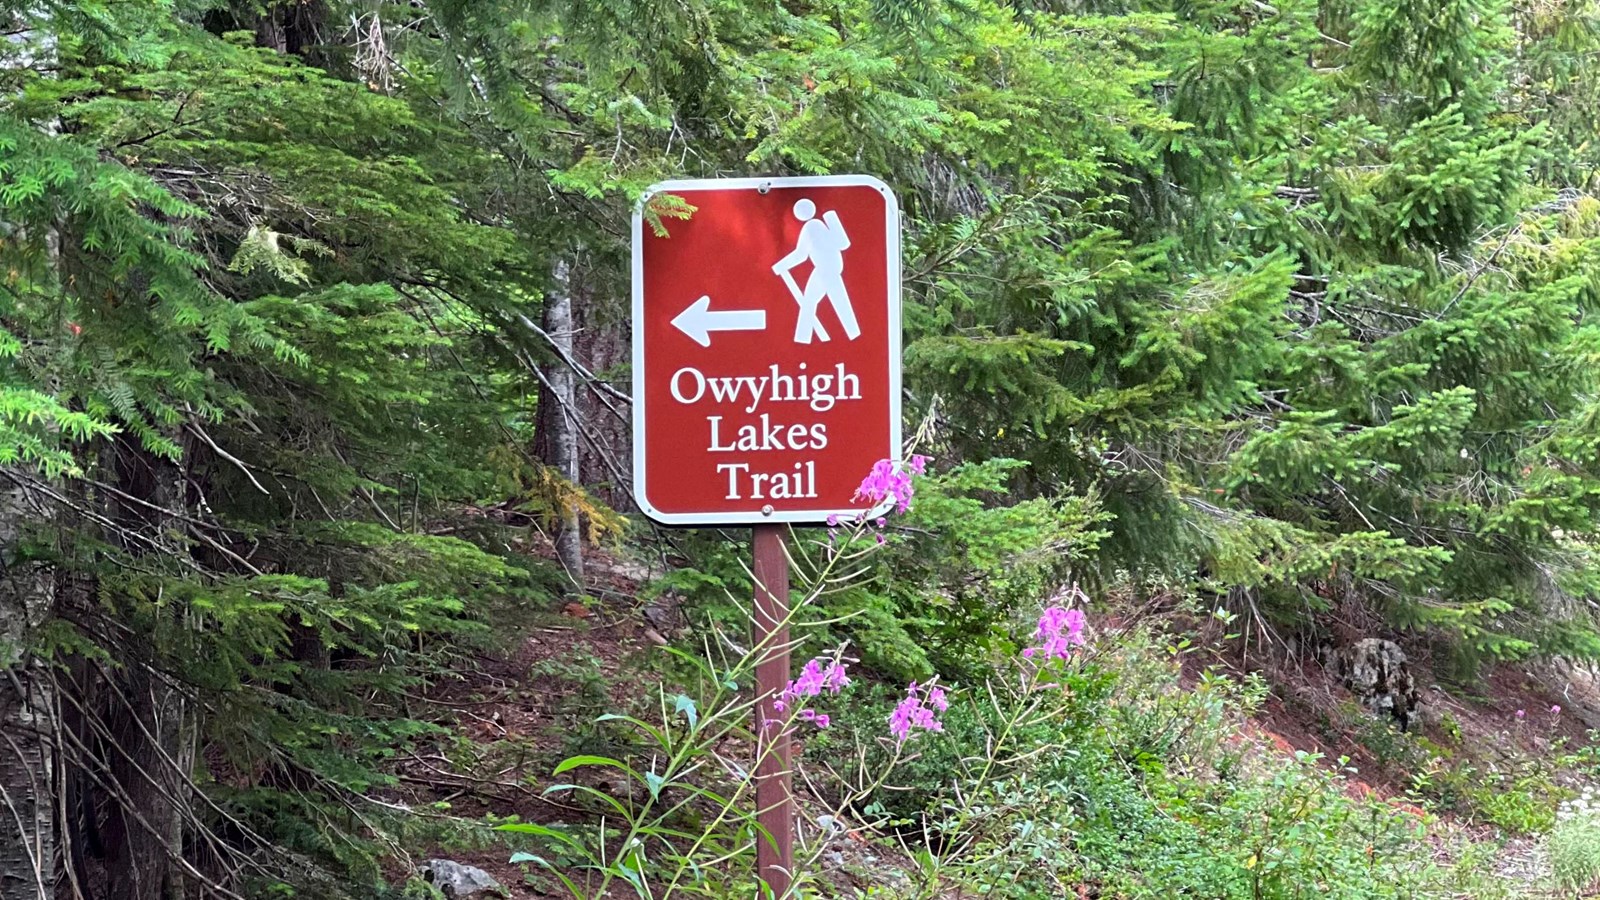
point(455, 880)
point(1375, 671)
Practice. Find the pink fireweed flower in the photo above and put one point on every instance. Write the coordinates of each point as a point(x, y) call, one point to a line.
point(918, 711)
point(834, 679)
point(1521, 713)
point(1059, 631)
point(818, 719)
point(891, 480)
point(816, 676)
point(1555, 710)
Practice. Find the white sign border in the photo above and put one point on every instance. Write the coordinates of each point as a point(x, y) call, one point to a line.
point(894, 299)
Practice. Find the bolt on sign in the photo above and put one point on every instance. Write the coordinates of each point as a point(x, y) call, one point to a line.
point(766, 347)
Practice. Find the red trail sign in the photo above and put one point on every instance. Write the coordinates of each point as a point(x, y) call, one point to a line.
point(766, 384)
point(766, 349)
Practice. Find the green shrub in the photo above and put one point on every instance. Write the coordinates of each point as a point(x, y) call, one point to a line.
point(1393, 750)
point(937, 596)
point(1574, 845)
point(1521, 804)
point(1130, 779)
point(930, 769)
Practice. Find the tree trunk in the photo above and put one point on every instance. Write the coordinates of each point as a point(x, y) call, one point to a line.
point(603, 342)
point(149, 733)
point(298, 27)
point(563, 420)
point(147, 717)
point(27, 706)
point(28, 712)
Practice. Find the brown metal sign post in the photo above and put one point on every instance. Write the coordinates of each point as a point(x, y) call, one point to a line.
point(774, 791)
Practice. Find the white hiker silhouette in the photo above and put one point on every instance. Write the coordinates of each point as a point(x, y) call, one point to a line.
point(822, 243)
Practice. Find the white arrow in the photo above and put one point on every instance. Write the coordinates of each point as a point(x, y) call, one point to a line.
point(698, 321)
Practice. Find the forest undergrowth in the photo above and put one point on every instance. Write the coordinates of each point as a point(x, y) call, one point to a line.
point(1113, 747)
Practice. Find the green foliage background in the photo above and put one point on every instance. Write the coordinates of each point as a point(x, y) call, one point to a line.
point(1292, 302)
